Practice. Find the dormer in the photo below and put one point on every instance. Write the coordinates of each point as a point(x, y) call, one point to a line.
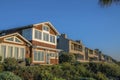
point(42, 32)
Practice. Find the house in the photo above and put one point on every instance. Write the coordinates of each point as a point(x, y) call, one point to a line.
point(71, 46)
point(43, 40)
point(91, 55)
point(14, 45)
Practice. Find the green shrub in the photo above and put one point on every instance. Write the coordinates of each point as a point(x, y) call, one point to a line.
point(1, 67)
point(28, 61)
point(10, 64)
point(0, 58)
point(101, 76)
point(9, 76)
point(67, 57)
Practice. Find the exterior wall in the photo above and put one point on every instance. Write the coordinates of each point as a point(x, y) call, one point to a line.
point(27, 33)
point(50, 32)
point(91, 55)
point(52, 60)
point(63, 44)
point(43, 44)
point(78, 52)
point(13, 44)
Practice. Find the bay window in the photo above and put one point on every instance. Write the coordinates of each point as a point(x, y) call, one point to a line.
point(17, 52)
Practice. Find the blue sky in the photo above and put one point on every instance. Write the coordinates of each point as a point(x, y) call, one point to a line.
point(96, 26)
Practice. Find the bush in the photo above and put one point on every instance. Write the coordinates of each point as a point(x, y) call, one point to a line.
point(67, 57)
point(28, 61)
point(1, 67)
point(101, 76)
point(8, 76)
point(0, 58)
point(10, 64)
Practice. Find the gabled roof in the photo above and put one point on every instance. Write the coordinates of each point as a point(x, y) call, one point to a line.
point(16, 34)
point(50, 25)
point(28, 26)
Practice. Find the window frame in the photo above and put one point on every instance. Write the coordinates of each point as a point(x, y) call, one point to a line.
point(13, 52)
point(44, 37)
point(14, 40)
point(53, 38)
point(40, 38)
point(37, 58)
point(44, 27)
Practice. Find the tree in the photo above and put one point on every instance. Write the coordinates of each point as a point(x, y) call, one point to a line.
point(108, 2)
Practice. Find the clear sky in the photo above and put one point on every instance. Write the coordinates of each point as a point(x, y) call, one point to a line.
point(96, 26)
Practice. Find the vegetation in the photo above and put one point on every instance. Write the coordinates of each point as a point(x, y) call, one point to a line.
point(64, 71)
point(66, 57)
point(108, 2)
point(9, 76)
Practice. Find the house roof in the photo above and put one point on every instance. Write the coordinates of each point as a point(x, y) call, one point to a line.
point(28, 26)
point(16, 34)
point(50, 25)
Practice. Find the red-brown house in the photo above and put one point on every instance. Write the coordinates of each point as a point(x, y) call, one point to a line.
point(40, 39)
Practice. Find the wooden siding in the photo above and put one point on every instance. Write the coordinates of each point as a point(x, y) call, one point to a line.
point(27, 53)
point(43, 44)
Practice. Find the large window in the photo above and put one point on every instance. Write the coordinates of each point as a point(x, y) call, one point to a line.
point(45, 37)
point(52, 38)
point(38, 56)
point(18, 52)
point(38, 34)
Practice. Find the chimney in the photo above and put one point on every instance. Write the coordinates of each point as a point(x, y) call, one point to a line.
point(79, 41)
point(64, 35)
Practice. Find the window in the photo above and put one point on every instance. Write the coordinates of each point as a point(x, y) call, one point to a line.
point(22, 53)
point(52, 54)
point(38, 34)
point(18, 52)
point(45, 37)
point(10, 51)
point(13, 39)
point(17, 40)
point(52, 39)
point(38, 56)
point(10, 39)
point(3, 51)
point(46, 28)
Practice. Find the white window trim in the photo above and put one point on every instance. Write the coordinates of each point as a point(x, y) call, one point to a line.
point(21, 42)
point(45, 30)
point(48, 42)
point(13, 54)
point(38, 61)
point(48, 37)
point(54, 56)
point(55, 38)
point(39, 31)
